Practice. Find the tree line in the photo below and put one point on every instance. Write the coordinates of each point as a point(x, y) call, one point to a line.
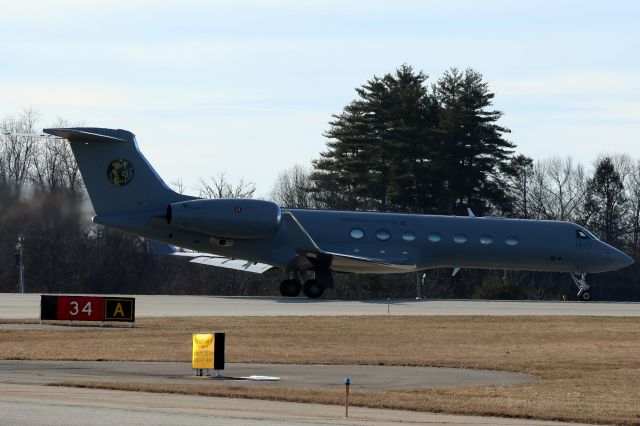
point(403, 144)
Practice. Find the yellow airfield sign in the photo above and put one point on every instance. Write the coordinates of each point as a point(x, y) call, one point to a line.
point(202, 356)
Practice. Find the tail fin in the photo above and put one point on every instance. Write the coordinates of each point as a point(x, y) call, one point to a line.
point(117, 176)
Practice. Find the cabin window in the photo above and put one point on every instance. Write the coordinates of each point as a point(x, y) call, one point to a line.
point(511, 241)
point(383, 235)
point(460, 239)
point(486, 239)
point(408, 236)
point(357, 234)
point(581, 235)
point(434, 237)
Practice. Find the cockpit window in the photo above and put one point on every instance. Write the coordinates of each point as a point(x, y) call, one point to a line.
point(582, 235)
point(590, 235)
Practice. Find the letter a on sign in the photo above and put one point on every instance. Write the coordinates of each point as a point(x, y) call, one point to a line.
point(118, 311)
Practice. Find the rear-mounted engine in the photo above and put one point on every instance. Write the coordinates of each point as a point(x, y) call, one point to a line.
point(229, 218)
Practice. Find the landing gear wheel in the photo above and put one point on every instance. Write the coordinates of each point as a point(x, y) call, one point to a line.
point(583, 288)
point(290, 288)
point(312, 289)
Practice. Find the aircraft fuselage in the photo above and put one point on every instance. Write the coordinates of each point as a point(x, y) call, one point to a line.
point(403, 242)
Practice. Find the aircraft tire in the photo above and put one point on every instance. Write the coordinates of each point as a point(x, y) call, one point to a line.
point(312, 289)
point(290, 288)
point(585, 296)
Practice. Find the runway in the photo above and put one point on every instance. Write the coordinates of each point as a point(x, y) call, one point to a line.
point(21, 306)
point(38, 405)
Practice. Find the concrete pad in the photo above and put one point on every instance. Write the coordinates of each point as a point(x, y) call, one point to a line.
point(291, 375)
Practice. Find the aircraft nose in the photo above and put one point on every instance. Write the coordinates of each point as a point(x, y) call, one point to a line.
point(618, 259)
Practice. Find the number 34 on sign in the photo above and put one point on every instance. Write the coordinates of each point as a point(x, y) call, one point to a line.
point(87, 308)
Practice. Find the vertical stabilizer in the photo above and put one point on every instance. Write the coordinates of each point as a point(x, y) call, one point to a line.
point(117, 176)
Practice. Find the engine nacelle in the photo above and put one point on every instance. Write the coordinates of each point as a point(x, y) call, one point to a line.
point(228, 218)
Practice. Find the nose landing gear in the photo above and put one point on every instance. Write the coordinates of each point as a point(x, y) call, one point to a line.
point(583, 288)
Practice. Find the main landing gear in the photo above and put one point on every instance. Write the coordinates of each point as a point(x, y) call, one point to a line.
point(313, 288)
point(583, 287)
point(292, 287)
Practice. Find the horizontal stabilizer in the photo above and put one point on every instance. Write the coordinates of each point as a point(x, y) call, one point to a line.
point(31, 135)
point(92, 135)
point(210, 259)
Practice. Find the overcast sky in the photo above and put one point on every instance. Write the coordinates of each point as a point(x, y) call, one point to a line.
point(248, 87)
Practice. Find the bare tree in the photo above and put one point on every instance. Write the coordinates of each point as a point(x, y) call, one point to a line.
point(17, 150)
point(558, 189)
point(632, 186)
point(54, 167)
point(219, 187)
point(293, 188)
point(178, 185)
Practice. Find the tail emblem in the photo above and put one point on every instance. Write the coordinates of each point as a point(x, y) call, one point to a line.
point(120, 172)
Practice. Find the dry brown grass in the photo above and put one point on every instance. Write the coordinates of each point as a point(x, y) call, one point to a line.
point(589, 367)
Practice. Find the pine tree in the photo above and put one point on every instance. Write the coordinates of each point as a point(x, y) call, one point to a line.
point(403, 147)
point(519, 179)
point(378, 148)
point(606, 201)
point(476, 155)
point(414, 142)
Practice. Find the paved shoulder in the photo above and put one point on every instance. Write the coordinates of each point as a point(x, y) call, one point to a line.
point(37, 405)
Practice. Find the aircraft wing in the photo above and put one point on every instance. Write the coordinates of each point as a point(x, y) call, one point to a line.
point(338, 261)
point(210, 259)
point(350, 263)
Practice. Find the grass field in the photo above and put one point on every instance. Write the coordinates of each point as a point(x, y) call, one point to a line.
point(589, 367)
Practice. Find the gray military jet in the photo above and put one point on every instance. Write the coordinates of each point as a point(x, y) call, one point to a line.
point(128, 194)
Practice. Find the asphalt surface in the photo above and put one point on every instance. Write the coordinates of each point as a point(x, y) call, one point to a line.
point(39, 405)
point(21, 306)
point(299, 376)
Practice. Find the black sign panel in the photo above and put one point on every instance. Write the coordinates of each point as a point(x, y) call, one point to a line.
point(119, 309)
point(218, 351)
point(48, 307)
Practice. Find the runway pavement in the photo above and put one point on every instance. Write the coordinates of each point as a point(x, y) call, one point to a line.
point(38, 405)
point(19, 306)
